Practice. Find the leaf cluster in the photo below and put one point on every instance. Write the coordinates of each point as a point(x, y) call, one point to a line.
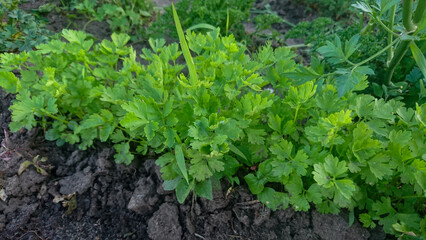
point(300, 144)
point(19, 31)
point(124, 16)
point(370, 46)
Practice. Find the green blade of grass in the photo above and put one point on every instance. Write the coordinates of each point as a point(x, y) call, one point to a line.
point(202, 26)
point(185, 50)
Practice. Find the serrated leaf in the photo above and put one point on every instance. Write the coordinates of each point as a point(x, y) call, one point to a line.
point(105, 132)
point(300, 94)
point(400, 137)
point(170, 134)
point(321, 176)
point(366, 220)
point(93, 121)
point(421, 178)
point(335, 167)
point(348, 79)
point(120, 39)
point(118, 136)
point(351, 46)
point(314, 194)
point(379, 166)
point(150, 130)
point(294, 185)
point(302, 75)
point(132, 122)
point(54, 46)
point(215, 164)
point(9, 82)
point(274, 200)
point(384, 206)
point(256, 136)
point(329, 101)
point(200, 170)
point(274, 122)
point(383, 110)
point(363, 7)
point(74, 36)
point(282, 149)
point(345, 187)
point(165, 159)
point(231, 129)
point(332, 168)
point(299, 202)
point(421, 113)
point(123, 154)
point(364, 105)
point(333, 51)
point(363, 146)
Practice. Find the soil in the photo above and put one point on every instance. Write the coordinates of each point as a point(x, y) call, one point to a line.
point(85, 195)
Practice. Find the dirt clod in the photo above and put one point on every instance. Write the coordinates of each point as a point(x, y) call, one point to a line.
point(144, 198)
point(79, 183)
point(330, 227)
point(165, 223)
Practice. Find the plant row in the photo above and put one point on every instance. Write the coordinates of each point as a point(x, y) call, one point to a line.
point(298, 145)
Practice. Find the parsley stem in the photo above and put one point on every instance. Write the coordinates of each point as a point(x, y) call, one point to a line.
point(378, 53)
point(56, 118)
point(332, 142)
point(412, 196)
point(85, 25)
point(295, 115)
point(386, 28)
point(390, 36)
point(367, 27)
point(399, 54)
point(299, 45)
point(407, 13)
point(419, 12)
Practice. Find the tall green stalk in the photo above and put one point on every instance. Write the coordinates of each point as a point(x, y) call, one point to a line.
point(407, 13)
point(419, 13)
point(409, 21)
point(390, 35)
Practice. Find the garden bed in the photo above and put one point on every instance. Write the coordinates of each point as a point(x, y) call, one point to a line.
point(85, 195)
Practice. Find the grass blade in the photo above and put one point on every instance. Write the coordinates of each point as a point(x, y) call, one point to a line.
point(185, 50)
point(202, 26)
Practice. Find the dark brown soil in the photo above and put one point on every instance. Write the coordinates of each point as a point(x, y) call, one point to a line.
point(87, 196)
